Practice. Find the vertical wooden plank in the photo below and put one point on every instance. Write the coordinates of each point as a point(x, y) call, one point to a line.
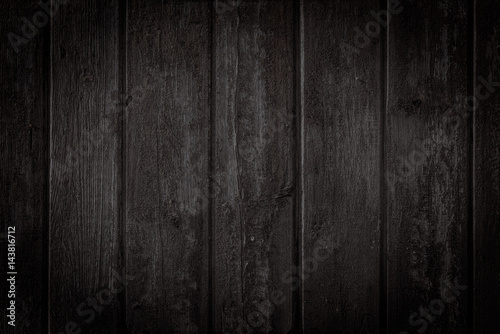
point(168, 122)
point(22, 166)
point(253, 166)
point(487, 169)
point(341, 170)
point(85, 169)
point(427, 167)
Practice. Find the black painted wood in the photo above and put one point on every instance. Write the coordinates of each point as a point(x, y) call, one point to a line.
point(23, 165)
point(254, 166)
point(85, 178)
point(427, 145)
point(486, 112)
point(341, 168)
point(253, 177)
point(167, 161)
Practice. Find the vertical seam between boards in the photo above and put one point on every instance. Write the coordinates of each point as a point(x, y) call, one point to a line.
point(122, 67)
point(211, 159)
point(384, 100)
point(471, 74)
point(298, 117)
point(47, 115)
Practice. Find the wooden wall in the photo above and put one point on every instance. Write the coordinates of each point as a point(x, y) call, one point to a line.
point(251, 166)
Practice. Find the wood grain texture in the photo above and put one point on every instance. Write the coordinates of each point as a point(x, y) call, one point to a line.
point(167, 145)
point(253, 166)
point(85, 169)
point(487, 169)
point(22, 173)
point(341, 170)
point(427, 167)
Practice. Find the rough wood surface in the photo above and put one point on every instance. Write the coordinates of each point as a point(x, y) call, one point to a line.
point(253, 166)
point(168, 164)
point(341, 170)
point(487, 169)
point(22, 173)
point(427, 167)
point(167, 141)
point(84, 170)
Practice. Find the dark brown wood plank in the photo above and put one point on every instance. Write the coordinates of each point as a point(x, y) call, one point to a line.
point(427, 167)
point(85, 169)
point(341, 172)
point(22, 165)
point(487, 169)
point(253, 166)
point(167, 134)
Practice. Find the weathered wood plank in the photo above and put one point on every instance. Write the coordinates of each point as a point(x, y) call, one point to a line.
point(341, 168)
point(85, 169)
point(167, 161)
point(253, 166)
point(22, 166)
point(427, 167)
point(487, 169)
